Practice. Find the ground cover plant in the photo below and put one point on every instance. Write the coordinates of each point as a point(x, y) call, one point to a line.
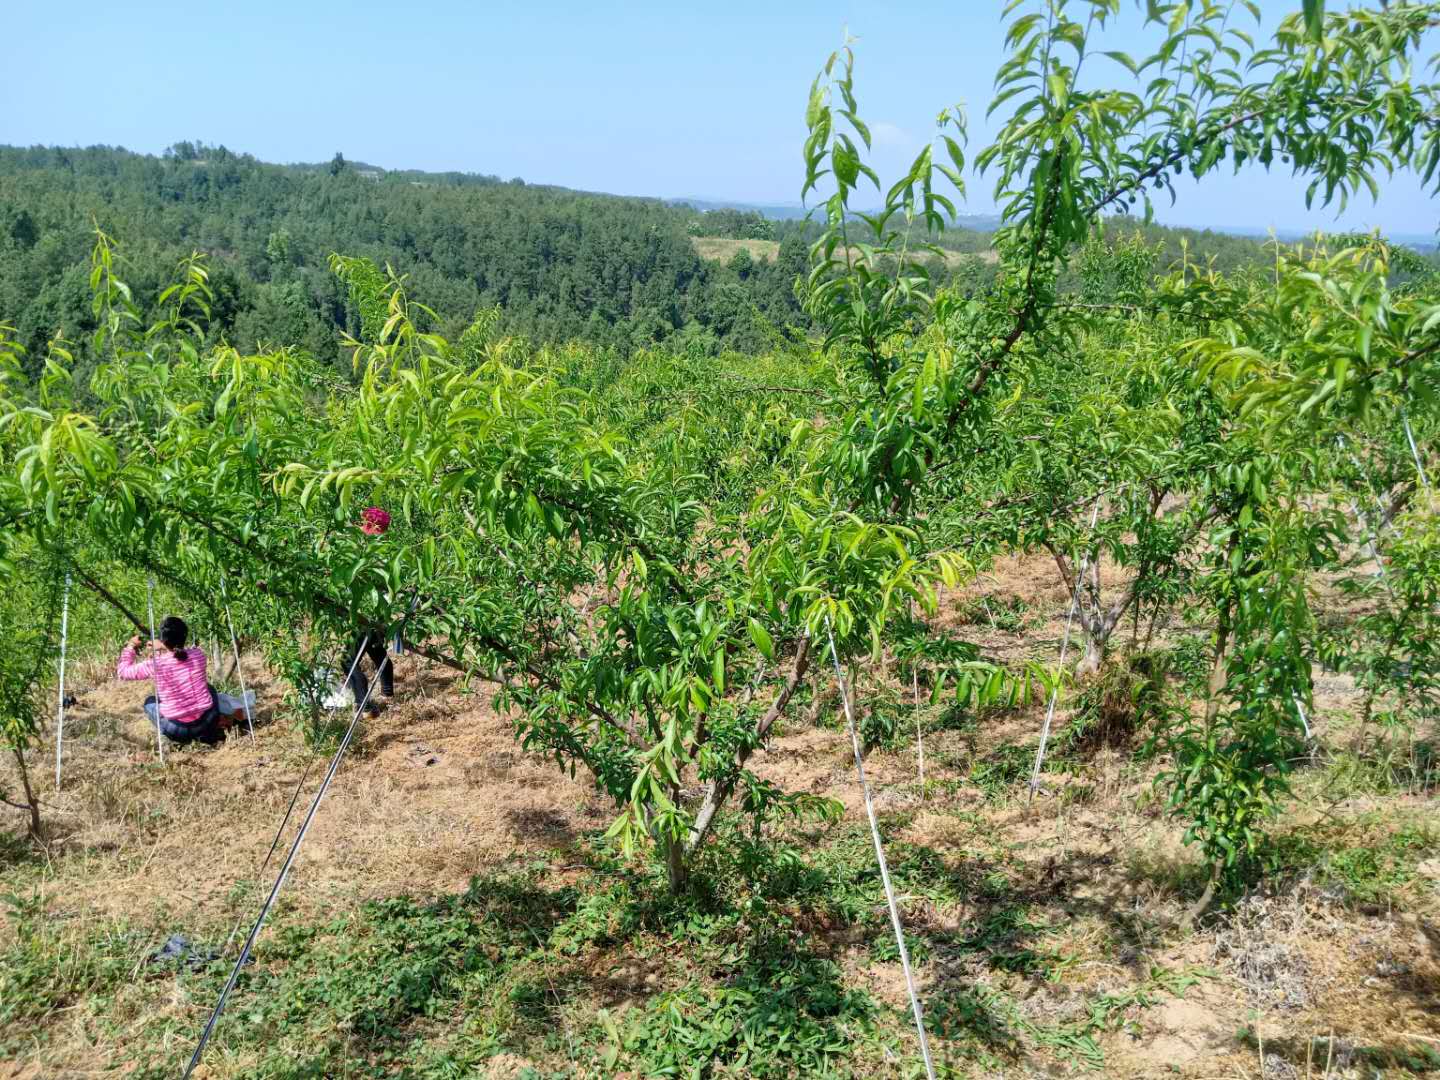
point(660, 564)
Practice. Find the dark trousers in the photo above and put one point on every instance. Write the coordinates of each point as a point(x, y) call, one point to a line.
point(374, 650)
point(206, 729)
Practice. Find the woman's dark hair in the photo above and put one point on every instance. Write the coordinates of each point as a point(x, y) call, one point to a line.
point(173, 633)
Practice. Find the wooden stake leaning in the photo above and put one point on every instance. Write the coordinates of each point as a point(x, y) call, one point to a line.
point(154, 665)
point(60, 706)
point(880, 855)
point(235, 645)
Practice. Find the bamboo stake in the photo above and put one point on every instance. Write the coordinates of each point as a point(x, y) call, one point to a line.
point(1415, 453)
point(919, 733)
point(880, 856)
point(60, 705)
point(1064, 647)
point(235, 645)
point(154, 665)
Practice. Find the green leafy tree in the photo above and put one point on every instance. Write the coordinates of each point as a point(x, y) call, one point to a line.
point(1332, 97)
point(650, 578)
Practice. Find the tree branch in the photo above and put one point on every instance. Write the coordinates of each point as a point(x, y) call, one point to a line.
point(109, 597)
point(720, 789)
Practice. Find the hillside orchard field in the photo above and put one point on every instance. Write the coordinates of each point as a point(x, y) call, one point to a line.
point(1117, 573)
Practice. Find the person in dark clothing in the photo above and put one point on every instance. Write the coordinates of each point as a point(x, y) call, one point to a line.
point(372, 647)
point(374, 521)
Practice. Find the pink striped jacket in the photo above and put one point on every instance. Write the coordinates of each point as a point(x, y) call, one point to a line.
point(184, 692)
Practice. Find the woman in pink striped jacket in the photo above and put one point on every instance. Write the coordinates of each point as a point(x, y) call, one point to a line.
point(187, 710)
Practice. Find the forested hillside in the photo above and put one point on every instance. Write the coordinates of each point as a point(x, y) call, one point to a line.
point(561, 265)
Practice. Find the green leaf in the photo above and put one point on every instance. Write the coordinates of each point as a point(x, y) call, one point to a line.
point(762, 639)
point(1124, 60)
point(846, 163)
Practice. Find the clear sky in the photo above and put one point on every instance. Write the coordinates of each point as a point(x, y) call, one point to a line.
point(676, 99)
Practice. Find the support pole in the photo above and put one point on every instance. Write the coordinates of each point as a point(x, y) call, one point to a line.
point(235, 645)
point(1064, 648)
point(880, 856)
point(1370, 537)
point(60, 704)
point(1415, 453)
point(294, 798)
point(1374, 548)
point(154, 665)
point(244, 956)
point(919, 733)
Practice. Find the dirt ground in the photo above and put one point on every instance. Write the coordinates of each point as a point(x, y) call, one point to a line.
point(436, 789)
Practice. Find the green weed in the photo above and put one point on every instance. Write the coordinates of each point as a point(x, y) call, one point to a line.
point(45, 969)
point(1366, 860)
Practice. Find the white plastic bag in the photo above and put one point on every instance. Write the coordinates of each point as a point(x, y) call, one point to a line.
point(338, 695)
point(231, 705)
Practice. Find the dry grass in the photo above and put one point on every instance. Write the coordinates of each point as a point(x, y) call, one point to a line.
point(436, 790)
point(723, 249)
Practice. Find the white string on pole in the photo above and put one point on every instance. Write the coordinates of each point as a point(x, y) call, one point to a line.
point(60, 705)
point(919, 733)
point(240, 671)
point(154, 665)
point(1415, 453)
point(244, 956)
point(1064, 648)
point(294, 798)
point(880, 855)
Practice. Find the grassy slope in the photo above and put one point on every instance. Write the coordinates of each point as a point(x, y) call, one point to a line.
point(454, 915)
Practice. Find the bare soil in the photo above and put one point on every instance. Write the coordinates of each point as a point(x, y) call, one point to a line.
point(436, 789)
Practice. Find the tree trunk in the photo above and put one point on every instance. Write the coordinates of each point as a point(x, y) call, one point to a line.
point(1095, 643)
point(676, 869)
point(1098, 624)
point(719, 790)
point(30, 800)
point(1219, 675)
point(1201, 905)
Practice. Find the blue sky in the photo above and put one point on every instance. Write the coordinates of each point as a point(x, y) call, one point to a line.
point(702, 100)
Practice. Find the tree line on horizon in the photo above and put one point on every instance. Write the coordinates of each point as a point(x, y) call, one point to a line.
point(561, 265)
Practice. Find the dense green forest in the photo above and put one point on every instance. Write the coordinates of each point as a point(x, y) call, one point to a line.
point(561, 265)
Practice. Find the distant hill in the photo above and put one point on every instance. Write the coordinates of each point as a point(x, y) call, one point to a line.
point(796, 212)
point(1419, 241)
point(773, 211)
point(561, 264)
